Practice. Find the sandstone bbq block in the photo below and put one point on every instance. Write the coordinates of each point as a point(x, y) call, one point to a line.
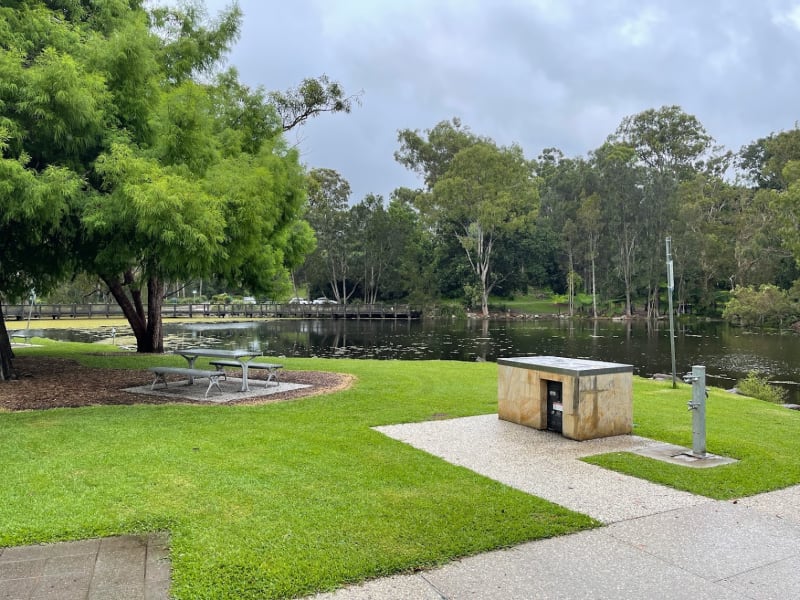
point(581, 399)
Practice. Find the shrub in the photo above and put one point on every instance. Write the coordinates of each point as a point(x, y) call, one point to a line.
point(757, 386)
point(767, 306)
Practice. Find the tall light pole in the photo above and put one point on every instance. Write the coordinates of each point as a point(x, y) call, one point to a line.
point(670, 288)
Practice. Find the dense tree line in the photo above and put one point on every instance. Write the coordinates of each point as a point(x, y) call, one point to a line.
point(488, 220)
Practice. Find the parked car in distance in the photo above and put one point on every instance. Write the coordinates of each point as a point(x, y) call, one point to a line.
point(298, 301)
point(324, 300)
point(248, 300)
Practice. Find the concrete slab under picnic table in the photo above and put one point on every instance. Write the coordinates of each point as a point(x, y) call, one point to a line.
point(178, 388)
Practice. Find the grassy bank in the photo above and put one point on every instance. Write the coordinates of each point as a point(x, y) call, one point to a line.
point(268, 501)
point(527, 303)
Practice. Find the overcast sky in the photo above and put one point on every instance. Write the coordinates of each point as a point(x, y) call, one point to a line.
point(541, 73)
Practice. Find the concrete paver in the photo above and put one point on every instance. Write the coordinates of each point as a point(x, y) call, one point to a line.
point(118, 568)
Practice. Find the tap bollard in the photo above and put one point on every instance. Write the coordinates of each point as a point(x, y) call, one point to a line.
point(698, 404)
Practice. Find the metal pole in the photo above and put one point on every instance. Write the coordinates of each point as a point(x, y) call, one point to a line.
point(30, 310)
point(670, 287)
point(698, 405)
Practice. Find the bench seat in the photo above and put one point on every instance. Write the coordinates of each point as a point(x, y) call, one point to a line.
point(25, 334)
point(271, 368)
point(162, 372)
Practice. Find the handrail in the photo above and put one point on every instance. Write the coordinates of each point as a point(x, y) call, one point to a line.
point(217, 310)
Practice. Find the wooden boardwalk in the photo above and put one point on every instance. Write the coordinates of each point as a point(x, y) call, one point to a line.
point(20, 312)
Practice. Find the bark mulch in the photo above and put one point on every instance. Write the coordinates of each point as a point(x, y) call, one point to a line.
point(44, 383)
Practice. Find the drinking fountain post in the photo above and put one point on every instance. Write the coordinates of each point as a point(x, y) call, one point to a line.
point(698, 404)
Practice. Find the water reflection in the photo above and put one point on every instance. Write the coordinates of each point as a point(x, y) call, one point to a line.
point(728, 353)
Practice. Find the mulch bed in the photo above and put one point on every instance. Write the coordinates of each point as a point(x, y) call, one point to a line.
point(57, 383)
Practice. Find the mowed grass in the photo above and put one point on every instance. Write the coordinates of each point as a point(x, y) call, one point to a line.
point(269, 501)
point(527, 303)
point(764, 437)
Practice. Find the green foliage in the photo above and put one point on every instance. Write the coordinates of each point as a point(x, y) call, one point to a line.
point(312, 97)
point(757, 386)
point(764, 160)
point(431, 157)
point(766, 306)
point(667, 140)
point(120, 155)
point(486, 193)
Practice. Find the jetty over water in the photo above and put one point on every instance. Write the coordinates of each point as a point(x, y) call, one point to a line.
point(21, 312)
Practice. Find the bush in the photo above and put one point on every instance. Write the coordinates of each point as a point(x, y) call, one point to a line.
point(767, 306)
point(757, 386)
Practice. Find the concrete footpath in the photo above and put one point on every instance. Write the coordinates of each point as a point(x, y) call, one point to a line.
point(657, 542)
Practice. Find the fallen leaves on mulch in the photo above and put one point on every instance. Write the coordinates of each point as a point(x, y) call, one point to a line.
point(55, 383)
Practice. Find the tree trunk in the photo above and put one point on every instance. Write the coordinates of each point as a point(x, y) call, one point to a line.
point(6, 353)
point(594, 291)
point(155, 299)
point(146, 325)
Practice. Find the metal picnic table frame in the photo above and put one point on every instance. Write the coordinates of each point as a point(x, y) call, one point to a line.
point(241, 356)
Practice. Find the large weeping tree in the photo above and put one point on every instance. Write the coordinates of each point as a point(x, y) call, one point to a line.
point(139, 158)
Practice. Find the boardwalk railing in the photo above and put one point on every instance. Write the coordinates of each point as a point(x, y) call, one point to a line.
point(298, 311)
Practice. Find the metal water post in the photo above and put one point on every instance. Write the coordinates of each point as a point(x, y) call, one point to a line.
point(670, 289)
point(698, 404)
point(30, 311)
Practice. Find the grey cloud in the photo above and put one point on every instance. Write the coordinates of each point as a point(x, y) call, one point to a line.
point(543, 73)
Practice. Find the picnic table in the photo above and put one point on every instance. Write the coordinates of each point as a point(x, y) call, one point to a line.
point(242, 357)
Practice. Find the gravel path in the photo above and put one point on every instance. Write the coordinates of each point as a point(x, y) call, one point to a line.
point(545, 464)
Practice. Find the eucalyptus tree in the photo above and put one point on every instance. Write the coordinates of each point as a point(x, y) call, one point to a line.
point(787, 213)
point(411, 274)
point(671, 146)
point(771, 163)
point(431, 154)
point(619, 189)
point(566, 182)
point(705, 240)
point(590, 222)
point(375, 245)
point(486, 192)
point(333, 261)
point(763, 161)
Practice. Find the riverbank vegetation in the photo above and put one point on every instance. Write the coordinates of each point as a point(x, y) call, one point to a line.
point(591, 232)
point(757, 386)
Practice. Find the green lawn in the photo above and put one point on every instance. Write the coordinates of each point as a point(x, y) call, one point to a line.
point(528, 303)
point(287, 499)
point(268, 501)
point(764, 437)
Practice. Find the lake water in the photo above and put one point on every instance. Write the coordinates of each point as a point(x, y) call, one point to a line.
point(728, 353)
